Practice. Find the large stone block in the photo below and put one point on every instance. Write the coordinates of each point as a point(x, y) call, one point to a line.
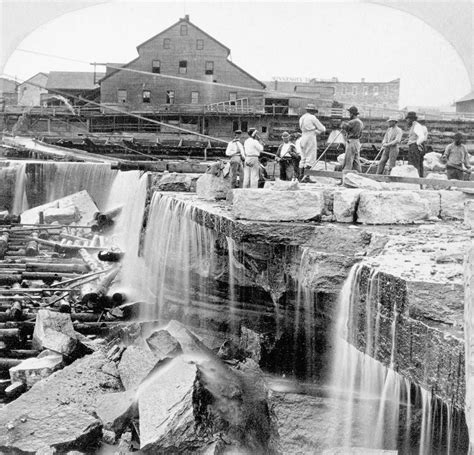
point(269, 205)
point(355, 180)
point(469, 213)
point(177, 182)
point(32, 370)
point(345, 203)
point(434, 201)
point(389, 207)
point(452, 204)
point(212, 187)
point(405, 170)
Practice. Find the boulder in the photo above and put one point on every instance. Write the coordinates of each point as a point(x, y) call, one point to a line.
point(163, 345)
point(452, 204)
point(135, 365)
point(405, 170)
point(469, 213)
point(433, 198)
point(189, 342)
point(177, 182)
point(32, 370)
point(116, 410)
point(282, 185)
point(345, 204)
point(268, 205)
point(59, 411)
point(354, 180)
point(432, 162)
point(212, 187)
point(54, 331)
point(390, 207)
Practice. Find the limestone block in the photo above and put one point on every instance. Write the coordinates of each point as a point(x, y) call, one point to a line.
point(65, 215)
point(354, 180)
point(452, 204)
point(212, 187)
point(432, 162)
point(32, 370)
point(177, 182)
point(435, 176)
point(117, 409)
point(405, 170)
point(268, 205)
point(389, 207)
point(54, 331)
point(469, 213)
point(345, 202)
point(434, 201)
point(282, 185)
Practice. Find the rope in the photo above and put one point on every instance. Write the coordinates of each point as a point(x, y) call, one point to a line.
point(375, 159)
point(326, 149)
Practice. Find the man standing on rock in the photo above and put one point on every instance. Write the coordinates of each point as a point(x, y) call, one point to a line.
point(252, 149)
point(455, 156)
point(353, 129)
point(390, 144)
point(310, 127)
point(286, 157)
point(235, 150)
point(416, 137)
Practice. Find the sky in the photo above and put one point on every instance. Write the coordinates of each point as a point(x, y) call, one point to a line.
point(349, 40)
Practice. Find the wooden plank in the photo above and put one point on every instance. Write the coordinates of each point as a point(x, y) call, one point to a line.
point(392, 178)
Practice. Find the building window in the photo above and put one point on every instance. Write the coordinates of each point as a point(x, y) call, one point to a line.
point(232, 98)
point(183, 66)
point(264, 129)
point(376, 90)
point(209, 68)
point(366, 90)
point(354, 89)
point(146, 96)
point(200, 44)
point(156, 66)
point(167, 43)
point(235, 125)
point(122, 96)
point(244, 125)
point(170, 97)
point(194, 97)
point(386, 89)
point(183, 31)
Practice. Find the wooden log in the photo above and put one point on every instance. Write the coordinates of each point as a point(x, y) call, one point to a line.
point(37, 290)
point(55, 267)
point(16, 310)
point(6, 363)
point(32, 248)
point(9, 279)
point(96, 296)
point(3, 244)
point(18, 353)
point(10, 335)
point(49, 276)
point(92, 263)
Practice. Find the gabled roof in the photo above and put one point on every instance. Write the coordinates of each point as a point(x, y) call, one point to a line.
point(72, 80)
point(186, 21)
point(468, 97)
point(32, 77)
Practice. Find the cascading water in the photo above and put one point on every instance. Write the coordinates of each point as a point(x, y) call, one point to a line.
point(20, 201)
point(374, 397)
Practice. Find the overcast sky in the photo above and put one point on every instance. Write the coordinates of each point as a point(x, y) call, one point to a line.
point(349, 40)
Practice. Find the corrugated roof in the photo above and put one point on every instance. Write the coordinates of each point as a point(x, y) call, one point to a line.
point(468, 97)
point(73, 80)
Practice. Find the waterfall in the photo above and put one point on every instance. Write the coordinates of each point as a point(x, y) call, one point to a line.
point(20, 201)
point(374, 396)
point(178, 257)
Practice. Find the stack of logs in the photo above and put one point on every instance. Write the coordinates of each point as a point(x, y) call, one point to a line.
point(54, 267)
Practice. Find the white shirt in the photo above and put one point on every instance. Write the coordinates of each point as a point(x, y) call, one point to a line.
point(425, 131)
point(234, 148)
point(252, 147)
point(416, 134)
point(309, 123)
point(298, 146)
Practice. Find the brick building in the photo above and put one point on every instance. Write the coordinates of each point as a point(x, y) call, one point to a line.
point(8, 92)
point(186, 52)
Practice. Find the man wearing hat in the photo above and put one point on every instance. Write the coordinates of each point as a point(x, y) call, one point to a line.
point(416, 137)
point(310, 127)
point(235, 150)
point(353, 129)
point(286, 156)
point(252, 149)
point(455, 156)
point(390, 143)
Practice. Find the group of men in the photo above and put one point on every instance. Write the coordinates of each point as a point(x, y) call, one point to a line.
point(298, 152)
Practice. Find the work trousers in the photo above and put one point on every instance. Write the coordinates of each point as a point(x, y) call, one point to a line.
point(389, 154)
point(454, 174)
point(287, 169)
point(352, 158)
point(309, 149)
point(236, 171)
point(251, 172)
point(415, 158)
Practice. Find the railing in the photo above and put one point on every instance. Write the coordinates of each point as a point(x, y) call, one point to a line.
point(240, 105)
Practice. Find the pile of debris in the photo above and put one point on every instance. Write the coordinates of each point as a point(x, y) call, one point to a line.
point(153, 390)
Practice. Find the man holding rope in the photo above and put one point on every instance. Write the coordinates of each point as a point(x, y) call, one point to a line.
point(310, 127)
point(353, 129)
point(252, 149)
point(390, 143)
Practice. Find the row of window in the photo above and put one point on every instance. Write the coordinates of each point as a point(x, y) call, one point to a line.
point(170, 96)
point(183, 67)
point(366, 90)
point(183, 31)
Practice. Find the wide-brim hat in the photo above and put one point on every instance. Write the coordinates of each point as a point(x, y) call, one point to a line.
point(459, 135)
point(353, 110)
point(238, 132)
point(311, 107)
point(392, 119)
point(411, 115)
point(285, 134)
